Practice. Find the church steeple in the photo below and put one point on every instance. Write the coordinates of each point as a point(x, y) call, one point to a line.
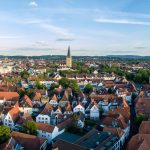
point(69, 58)
point(69, 53)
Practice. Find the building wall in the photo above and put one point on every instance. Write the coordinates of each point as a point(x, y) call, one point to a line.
point(43, 118)
point(8, 121)
point(79, 108)
point(45, 135)
point(49, 136)
point(53, 103)
point(26, 110)
point(69, 62)
point(94, 114)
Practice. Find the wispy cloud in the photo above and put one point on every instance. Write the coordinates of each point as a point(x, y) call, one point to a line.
point(50, 27)
point(122, 21)
point(33, 4)
point(41, 43)
point(64, 39)
point(9, 37)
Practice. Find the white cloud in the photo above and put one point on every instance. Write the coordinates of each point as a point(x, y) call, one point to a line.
point(122, 21)
point(33, 4)
point(49, 27)
point(9, 37)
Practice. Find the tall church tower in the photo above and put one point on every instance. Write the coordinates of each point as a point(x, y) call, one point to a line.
point(69, 58)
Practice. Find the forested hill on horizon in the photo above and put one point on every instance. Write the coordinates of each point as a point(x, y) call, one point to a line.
point(61, 57)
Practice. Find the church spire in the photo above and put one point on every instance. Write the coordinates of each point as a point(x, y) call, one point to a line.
point(69, 53)
point(69, 58)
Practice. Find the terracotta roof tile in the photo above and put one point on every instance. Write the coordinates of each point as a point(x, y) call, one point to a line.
point(27, 141)
point(45, 127)
point(139, 142)
point(9, 96)
point(144, 127)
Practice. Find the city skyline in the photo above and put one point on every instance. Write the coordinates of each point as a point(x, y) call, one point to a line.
point(44, 27)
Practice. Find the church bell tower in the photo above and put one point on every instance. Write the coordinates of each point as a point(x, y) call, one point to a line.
point(69, 59)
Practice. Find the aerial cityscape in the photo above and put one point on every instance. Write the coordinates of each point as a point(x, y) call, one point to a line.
point(74, 75)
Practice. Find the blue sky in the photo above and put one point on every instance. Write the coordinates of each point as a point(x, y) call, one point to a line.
point(90, 27)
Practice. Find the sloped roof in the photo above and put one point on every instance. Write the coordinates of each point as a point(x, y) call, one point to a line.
point(45, 127)
point(14, 113)
point(27, 100)
point(9, 96)
point(28, 141)
point(113, 130)
point(54, 97)
point(139, 142)
point(47, 109)
point(144, 127)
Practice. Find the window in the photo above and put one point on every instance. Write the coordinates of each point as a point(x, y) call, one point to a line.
point(45, 118)
point(39, 118)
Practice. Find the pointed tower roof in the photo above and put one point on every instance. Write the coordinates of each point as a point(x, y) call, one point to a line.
point(69, 53)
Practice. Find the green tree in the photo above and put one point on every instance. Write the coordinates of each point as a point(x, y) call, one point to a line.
point(4, 134)
point(75, 87)
point(24, 74)
point(30, 128)
point(39, 85)
point(134, 95)
point(139, 118)
point(88, 88)
point(53, 86)
point(110, 90)
point(30, 92)
point(21, 93)
point(64, 82)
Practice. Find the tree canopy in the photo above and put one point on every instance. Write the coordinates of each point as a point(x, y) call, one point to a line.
point(75, 87)
point(30, 128)
point(4, 134)
point(88, 88)
point(64, 82)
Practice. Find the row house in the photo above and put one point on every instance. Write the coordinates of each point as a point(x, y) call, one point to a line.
point(11, 117)
point(118, 121)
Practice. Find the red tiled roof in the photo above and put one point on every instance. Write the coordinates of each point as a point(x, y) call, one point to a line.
point(45, 127)
point(113, 130)
point(143, 105)
point(14, 113)
point(139, 142)
point(65, 123)
point(54, 97)
point(144, 127)
point(28, 141)
point(27, 100)
point(9, 96)
point(47, 109)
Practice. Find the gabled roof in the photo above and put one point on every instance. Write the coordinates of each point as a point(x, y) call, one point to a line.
point(65, 96)
point(143, 105)
point(54, 98)
point(144, 127)
point(14, 113)
point(24, 119)
point(27, 100)
point(139, 142)
point(65, 123)
point(9, 96)
point(113, 130)
point(37, 97)
point(68, 107)
point(45, 127)
point(28, 141)
point(47, 109)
